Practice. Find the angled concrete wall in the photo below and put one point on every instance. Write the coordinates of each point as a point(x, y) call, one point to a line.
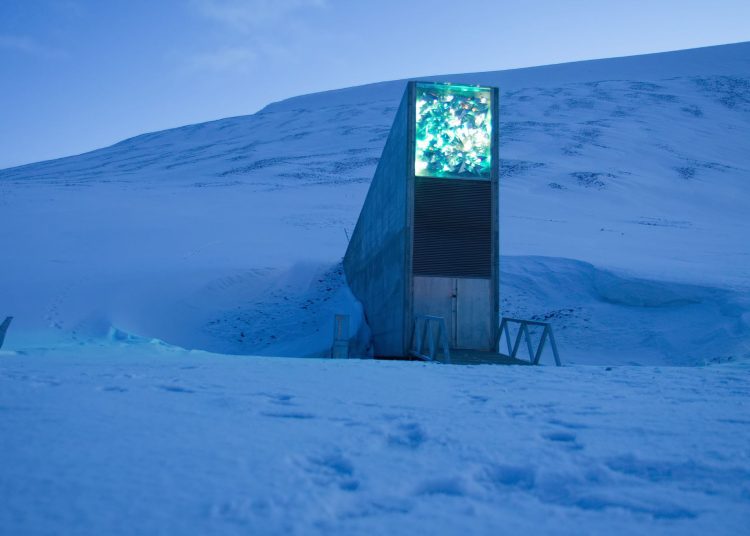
point(376, 261)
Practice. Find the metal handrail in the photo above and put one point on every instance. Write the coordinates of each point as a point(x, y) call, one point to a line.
point(523, 332)
point(423, 329)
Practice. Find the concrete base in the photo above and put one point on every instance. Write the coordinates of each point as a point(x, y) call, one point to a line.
point(476, 357)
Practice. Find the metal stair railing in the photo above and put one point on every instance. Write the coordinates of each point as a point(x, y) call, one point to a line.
point(427, 329)
point(523, 333)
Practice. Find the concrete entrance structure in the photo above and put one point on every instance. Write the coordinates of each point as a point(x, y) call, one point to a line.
point(426, 242)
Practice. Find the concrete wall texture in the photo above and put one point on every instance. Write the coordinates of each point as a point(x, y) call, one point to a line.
point(376, 259)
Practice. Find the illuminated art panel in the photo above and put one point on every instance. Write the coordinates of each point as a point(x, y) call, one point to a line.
point(453, 131)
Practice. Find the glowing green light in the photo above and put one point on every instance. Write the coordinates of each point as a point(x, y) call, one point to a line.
point(453, 131)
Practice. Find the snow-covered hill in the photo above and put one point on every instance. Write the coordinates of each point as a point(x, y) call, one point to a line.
point(624, 221)
point(623, 217)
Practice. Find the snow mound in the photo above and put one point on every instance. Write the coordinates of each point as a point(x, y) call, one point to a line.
point(600, 316)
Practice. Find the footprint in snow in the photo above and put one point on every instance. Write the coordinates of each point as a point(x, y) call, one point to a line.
point(175, 389)
point(278, 398)
point(410, 435)
point(477, 399)
point(113, 389)
point(281, 399)
point(657, 510)
point(569, 425)
point(332, 469)
point(508, 476)
point(451, 486)
point(288, 415)
point(563, 437)
point(566, 439)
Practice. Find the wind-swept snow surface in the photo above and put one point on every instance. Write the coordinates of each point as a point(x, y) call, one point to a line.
point(148, 440)
point(226, 236)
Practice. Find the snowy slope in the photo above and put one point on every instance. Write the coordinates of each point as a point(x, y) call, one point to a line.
point(623, 217)
point(623, 221)
point(152, 441)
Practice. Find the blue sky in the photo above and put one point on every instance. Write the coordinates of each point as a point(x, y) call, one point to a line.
point(76, 75)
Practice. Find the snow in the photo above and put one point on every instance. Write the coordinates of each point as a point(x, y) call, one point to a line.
point(134, 271)
point(144, 438)
point(636, 166)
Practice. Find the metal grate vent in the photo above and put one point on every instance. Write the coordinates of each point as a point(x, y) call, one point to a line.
point(452, 228)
